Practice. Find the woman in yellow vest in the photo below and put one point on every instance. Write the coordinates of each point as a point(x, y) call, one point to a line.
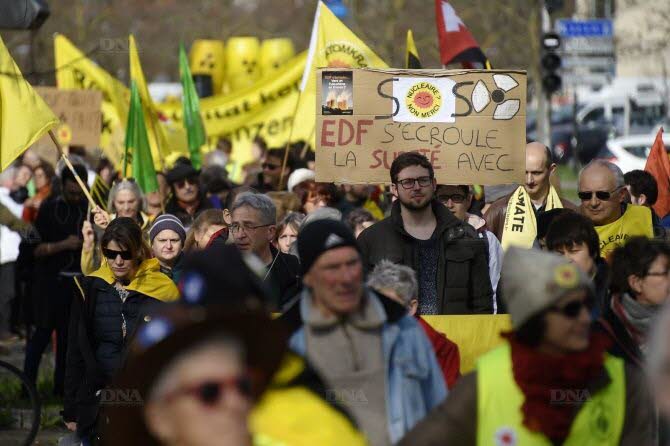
point(551, 382)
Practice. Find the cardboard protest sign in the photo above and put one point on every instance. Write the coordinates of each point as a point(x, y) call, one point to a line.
point(79, 114)
point(470, 124)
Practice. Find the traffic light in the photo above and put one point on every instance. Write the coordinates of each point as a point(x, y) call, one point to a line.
point(23, 14)
point(551, 63)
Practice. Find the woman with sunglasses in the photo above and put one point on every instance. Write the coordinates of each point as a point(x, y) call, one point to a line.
point(125, 200)
point(640, 285)
point(112, 302)
point(551, 382)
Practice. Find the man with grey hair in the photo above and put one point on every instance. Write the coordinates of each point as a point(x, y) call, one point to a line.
point(398, 282)
point(602, 192)
point(253, 226)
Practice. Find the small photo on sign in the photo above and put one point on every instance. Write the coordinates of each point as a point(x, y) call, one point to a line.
point(337, 93)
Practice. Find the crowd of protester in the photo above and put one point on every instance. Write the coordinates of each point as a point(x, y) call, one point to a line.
point(170, 294)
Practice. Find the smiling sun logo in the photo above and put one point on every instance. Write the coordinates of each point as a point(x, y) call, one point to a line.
point(423, 100)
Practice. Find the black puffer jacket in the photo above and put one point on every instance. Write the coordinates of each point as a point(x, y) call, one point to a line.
point(96, 343)
point(283, 278)
point(463, 283)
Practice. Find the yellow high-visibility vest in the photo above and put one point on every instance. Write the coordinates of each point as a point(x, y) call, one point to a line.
point(499, 400)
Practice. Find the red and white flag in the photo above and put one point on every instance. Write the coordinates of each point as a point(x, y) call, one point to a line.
point(456, 41)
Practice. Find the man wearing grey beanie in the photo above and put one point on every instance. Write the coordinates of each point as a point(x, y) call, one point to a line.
point(167, 236)
point(551, 381)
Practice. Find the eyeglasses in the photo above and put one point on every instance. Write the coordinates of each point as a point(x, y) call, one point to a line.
point(408, 183)
point(209, 393)
point(193, 181)
point(572, 309)
point(236, 227)
point(602, 195)
point(270, 166)
point(112, 254)
point(455, 198)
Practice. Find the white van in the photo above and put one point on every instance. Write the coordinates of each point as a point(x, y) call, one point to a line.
point(627, 109)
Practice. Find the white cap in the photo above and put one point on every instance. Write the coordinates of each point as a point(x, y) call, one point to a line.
point(298, 176)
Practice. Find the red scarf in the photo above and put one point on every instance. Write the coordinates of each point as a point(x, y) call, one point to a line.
point(537, 374)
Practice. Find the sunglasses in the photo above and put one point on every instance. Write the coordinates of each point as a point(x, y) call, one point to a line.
point(193, 181)
point(408, 183)
point(270, 166)
point(209, 393)
point(112, 254)
point(455, 198)
point(601, 195)
point(572, 309)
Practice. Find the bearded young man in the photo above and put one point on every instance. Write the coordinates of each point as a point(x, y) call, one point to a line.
point(451, 261)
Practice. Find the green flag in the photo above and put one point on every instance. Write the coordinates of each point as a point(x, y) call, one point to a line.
point(195, 130)
point(138, 151)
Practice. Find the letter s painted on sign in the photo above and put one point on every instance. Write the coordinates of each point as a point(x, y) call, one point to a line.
point(396, 103)
point(467, 102)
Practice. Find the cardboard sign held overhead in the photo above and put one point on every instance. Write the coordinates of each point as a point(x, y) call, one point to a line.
point(79, 113)
point(470, 124)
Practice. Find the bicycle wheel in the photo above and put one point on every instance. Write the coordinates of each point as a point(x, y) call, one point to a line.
point(19, 406)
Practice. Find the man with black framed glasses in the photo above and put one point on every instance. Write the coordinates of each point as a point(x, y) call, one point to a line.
point(602, 192)
point(253, 226)
point(447, 254)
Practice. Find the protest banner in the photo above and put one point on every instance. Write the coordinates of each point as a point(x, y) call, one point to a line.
point(475, 334)
point(470, 124)
point(79, 114)
point(264, 109)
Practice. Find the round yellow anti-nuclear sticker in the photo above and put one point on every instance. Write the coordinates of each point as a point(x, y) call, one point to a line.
point(423, 100)
point(64, 134)
point(566, 276)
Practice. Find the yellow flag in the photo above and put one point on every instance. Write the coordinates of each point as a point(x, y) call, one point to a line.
point(332, 45)
point(24, 117)
point(155, 131)
point(265, 109)
point(75, 71)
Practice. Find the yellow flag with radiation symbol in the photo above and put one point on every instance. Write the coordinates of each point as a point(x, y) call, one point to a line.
point(332, 45)
point(24, 116)
point(74, 71)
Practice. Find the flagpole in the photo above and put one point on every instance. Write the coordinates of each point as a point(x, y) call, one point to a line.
point(288, 142)
point(158, 142)
point(71, 167)
point(303, 154)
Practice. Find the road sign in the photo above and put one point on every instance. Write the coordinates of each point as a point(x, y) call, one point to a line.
point(586, 79)
point(574, 61)
point(589, 45)
point(585, 28)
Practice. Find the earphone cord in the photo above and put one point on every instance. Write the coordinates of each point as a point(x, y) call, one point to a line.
point(271, 265)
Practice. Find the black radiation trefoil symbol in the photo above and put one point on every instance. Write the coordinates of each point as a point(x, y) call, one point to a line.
point(506, 109)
